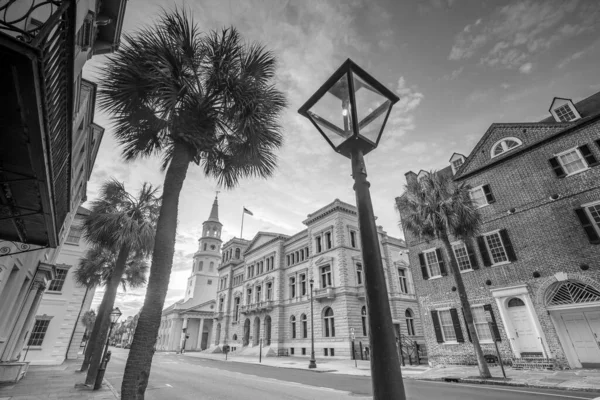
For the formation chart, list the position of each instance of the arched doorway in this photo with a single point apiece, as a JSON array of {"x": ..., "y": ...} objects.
[
  {"x": 575, "y": 310},
  {"x": 524, "y": 335},
  {"x": 256, "y": 331},
  {"x": 268, "y": 330},
  {"x": 246, "y": 339}
]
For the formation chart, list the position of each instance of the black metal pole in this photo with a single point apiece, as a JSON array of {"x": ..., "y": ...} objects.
[
  {"x": 385, "y": 366},
  {"x": 312, "y": 363},
  {"x": 260, "y": 350}
]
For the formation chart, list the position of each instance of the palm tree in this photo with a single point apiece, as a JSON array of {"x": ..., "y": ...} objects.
[
  {"x": 88, "y": 319},
  {"x": 209, "y": 99},
  {"x": 122, "y": 228},
  {"x": 436, "y": 207}
]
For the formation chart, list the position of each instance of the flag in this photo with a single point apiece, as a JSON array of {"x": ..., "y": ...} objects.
[{"x": 246, "y": 211}]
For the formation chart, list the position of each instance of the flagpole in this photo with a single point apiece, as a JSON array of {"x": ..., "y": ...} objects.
[{"x": 242, "y": 228}]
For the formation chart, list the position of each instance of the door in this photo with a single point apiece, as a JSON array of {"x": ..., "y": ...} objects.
[
  {"x": 524, "y": 334},
  {"x": 204, "y": 343},
  {"x": 582, "y": 337}
]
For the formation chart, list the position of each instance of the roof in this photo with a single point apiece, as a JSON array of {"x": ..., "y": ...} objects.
[
  {"x": 336, "y": 205},
  {"x": 214, "y": 212},
  {"x": 586, "y": 107}
]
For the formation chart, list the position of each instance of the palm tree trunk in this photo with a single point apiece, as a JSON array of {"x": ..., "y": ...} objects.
[
  {"x": 139, "y": 361},
  {"x": 92, "y": 342},
  {"x": 102, "y": 325},
  {"x": 484, "y": 371}
]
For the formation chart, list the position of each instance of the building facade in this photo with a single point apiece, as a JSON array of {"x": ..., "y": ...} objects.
[
  {"x": 534, "y": 269},
  {"x": 264, "y": 289}
]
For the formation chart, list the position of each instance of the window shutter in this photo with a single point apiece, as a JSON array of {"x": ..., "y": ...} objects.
[
  {"x": 466, "y": 326},
  {"x": 589, "y": 157},
  {"x": 587, "y": 225},
  {"x": 495, "y": 331},
  {"x": 510, "y": 251},
  {"x": 457, "y": 329},
  {"x": 423, "y": 266},
  {"x": 472, "y": 256},
  {"x": 438, "y": 253},
  {"x": 487, "y": 190},
  {"x": 484, "y": 251},
  {"x": 558, "y": 169},
  {"x": 436, "y": 327},
  {"x": 598, "y": 143}
]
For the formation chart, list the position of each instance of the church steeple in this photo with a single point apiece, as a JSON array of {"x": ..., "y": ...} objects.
[{"x": 214, "y": 212}]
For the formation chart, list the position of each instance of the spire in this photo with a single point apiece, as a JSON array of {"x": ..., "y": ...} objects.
[{"x": 214, "y": 212}]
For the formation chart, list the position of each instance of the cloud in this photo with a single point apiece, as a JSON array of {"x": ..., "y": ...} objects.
[
  {"x": 518, "y": 31},
  {"x": 526, "y": 68},
  {"x": 454, "y": 74},
  {"x": 579, "y": 54}
]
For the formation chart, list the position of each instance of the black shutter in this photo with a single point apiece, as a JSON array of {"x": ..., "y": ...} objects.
[
  {"x": 457, "y": 329},
  {"x": 436, "y": 327},
  {"x": 466, "y": 326},
  {"x": 589, "y": 157},
  {"x": 558, "y": 169},
  {"x": 495, "y": 330},
  {"x": 472, "y": 256},
  {"x": 438, "y": 253},
  {"x": 510, "y": 251},
  {"x": 487, "y": 190},
  {"x": 588, "y": 226},
  {"x": 484, "y": 251},
  {"x": 598, "y": 143},
  {"x": 423, "y": 266}
]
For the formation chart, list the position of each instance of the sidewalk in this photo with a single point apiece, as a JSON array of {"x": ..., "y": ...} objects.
[
  {"x": 54, "y": 382},
  {"x": 331, "y": 365}
]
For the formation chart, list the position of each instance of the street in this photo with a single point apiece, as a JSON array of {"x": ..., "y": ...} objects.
[{"x": 179, "y": 377}]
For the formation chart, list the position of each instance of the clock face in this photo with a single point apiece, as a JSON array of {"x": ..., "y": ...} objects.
[{"x": 212, "y": 247}]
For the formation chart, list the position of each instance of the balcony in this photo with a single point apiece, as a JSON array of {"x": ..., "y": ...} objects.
[
  {"x": 257, "y": 307},
  {"x": 325, "y": 293},
  {"x": 37, "y": 42}
]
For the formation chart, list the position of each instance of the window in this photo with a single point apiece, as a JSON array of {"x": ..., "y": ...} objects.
[
  {"x": 74, "y": 235},
  {"x": 329, "y": 322},
  {"x": 221, "y": 303},
  {"x": 293, "y": 322},
  {"x": 304, "y": 326},
  {"x": 325, "y": 351},
  {"x": 302, "y": 284},
  {"x": 201, "y": 265},
  {"x": 248, "y": 296},
  {"x": 236, "y": 309},
  {"x": 572, "y": 161},
  {"x": 318, "y": 243},
  {"x": 462, "y": 256},
  {"x": 328, "y": 240},
  {"x": 238, "y": 279},
  {"x": 482, "y": 327},
  {"x": 272, "y": 263},
  {"x": 237, "y": 253},
  {"x": 57, "y": 283},
  {"x": 410, "y": 322},
  {"x": 363, "y": 317},
  {"x": 209, "y": 282},
  {"x": 505, "y": 145},
  {"x": 258, "y": 293},
  {"x": 496, "y": 248},
  {"x": 402, "y": 280},
  {"x": 288, "y": 260},
  {"x": 205, "y": 245},
  {"x": 38, "y": 332},
  {"x": 481, "y": 196},
  {"x": 564, "y": 113},
  {"x": 457, "y": 163},
  {"x": 306, "y": 252},
  {"x": 269, "y": 290},
  {"x": 302, "y": 255},
  {"x": 447, "y": 326},
  {"x": 359, "y": 274},
  {"x": 353, "y": 239},
  {"x": 304, "y": 351},
  {"x": 326, "y": 276},
  {"x": 292, "y": 287},
  {"x": 291, "y": 350},
  {"x": 589, "y": 217},
  {"x": 431, "y": 263}
]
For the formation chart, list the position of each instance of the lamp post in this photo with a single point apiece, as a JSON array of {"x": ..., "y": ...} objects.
[
  {"x": 350, "y": 110},
  {"x": 312, "y": 363},
  {"x": 114, "y": 317}
]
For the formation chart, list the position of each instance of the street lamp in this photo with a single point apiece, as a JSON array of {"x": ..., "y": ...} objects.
[
  {"x": 350, "y": 110},
  {"x": 114, "y": 317},
  {"x": 312, "y": 363}
]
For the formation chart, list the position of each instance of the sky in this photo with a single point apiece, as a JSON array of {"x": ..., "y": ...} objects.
[{"x": 457, "y": 65}]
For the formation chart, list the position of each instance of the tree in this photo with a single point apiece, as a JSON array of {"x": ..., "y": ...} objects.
[
  {"x": 436, "y": 207},
  {"x": 88, "y": 319},
  {"x": 190, "y": 97},
  {"x": 121, "y": 228}
]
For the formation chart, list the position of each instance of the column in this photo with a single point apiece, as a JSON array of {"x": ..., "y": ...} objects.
[
  {"x": 182, "y": 334},
  {"x": 25, "y": 321},
  {"x": 200, "y": 331}
]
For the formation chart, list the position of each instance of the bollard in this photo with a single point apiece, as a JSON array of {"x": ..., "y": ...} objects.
[{"x": 101, "y": 371}]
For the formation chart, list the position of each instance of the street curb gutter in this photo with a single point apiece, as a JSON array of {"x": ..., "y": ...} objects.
[
  {"x": 112, "y": 389},
  {"x": 501, "y": 383}
]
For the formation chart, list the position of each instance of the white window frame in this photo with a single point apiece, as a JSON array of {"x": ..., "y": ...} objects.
[
  {"x": 565, "y": 106},
  {"x": 491, "y": 339},
  {"x": 589, "y": 214},
  {"x": 403, "y": 278},
  {"x": 329, "y": 273},
  {"x": 501, "y": 142},
  {"x": 463, "y": 244},
  {"x": 487, "y": 246},
  {"x": 447, "y": 309},
  {"x": 269, "y": 291},
  {"x": 581, "y": 157},
  {"x": 480, "y": 187},
  {"x": 431, "y": 276},
  {"x": 62, "y": 287}
]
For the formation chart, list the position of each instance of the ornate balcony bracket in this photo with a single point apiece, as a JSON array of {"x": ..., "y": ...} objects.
[{"x": 9, "y": 248}]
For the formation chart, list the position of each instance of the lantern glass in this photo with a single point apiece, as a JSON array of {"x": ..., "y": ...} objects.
[
  {"x": 371, "y": 110},
  {"x": 332, "y": 113},
  {"x": 115, "y": 315}
]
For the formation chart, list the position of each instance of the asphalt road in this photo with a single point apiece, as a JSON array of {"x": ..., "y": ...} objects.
[{"x": 176, "y": 377}]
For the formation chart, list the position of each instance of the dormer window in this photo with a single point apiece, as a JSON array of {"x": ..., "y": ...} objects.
[
  {"x": 564, "y": 113},
  {"x": 563, "y": 110},
  {"x": 456, "y": 161},
  {"x": 505, "y": 145}
]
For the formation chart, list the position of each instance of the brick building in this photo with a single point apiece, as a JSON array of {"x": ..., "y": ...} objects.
[
  {"x": 536, "y": 263},
  {"x": 263, "y": 289}
]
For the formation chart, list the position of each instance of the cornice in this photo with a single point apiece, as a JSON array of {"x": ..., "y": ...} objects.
[{"x": 329, "y": 209}]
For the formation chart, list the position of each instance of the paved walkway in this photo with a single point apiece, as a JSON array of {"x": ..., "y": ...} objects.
[{"x": 54, "y": 382}]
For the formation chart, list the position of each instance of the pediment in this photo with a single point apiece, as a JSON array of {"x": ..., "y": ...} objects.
[
  {"x": 324, "y": 260},
  {"x": 260, "y": 239}
]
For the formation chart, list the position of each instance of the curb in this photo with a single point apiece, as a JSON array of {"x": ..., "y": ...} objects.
[
  {"x": 112, "y": 389},
  {"x": 504, "y": 383}
]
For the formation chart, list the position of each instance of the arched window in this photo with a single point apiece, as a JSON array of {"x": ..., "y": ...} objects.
[
  {"x": 505, "y": 145},
  {"x": 571, "y": 292},
  {"x": 329, "y": 322},
  {"x": 304, "y": 325},
  {"x": 363, "y": 317},
  {"x": 410, "y": 322},
  {"x": 293, "y": 322},
  {"x": 211, "y": 266},
  {"x": 201, "y": 265},
  {"x": 515, "y": 302},
  {"x": 204, "y": 248},
  {"x": 237, "y": 253}
]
